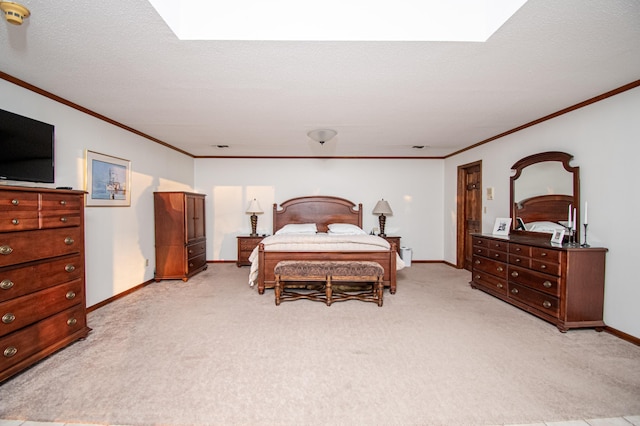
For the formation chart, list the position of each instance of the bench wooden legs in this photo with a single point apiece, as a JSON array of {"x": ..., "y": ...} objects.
[{"x": 327, "y": 291}]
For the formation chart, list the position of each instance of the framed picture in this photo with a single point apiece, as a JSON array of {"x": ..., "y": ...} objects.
[
  {"x": 557, "y": 236},
  {"x": 502, "y": 226},
  {"x": 107, "y": 180}
]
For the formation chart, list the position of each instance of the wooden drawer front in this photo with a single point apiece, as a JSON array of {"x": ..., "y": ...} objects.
[
  {"x": 501, "y": 246},
  {"x": 501, "y": 256},
  {"x": 20, "y": 247},
  {"x": 545, "y": 255},
  {"x": 19, "y": 281},
  {"x": 482, "y": 242},
  {"x": 20, "y": 345},
  {"x": 536, "y": 280},
  {"x": 196, "y": 263},
  {"x": 19, "y": 220},
  {"x": 520, "y": 250},
  {"x": 481, "y": 251},
  {"x": 196, "y": 249},
  {"x": 549, "y": 268},
  {"x": 60, "y": 219},
  {"x": 516, "y": 259},
  {"x": 248, "y": 244},
  {"x": 13, "y": 201},
  {"x": 490, "y": 266},
  {"x": 70, "y": 202},
  {"x": 535, "y": 299},
  {"x": 494, "y": 283},
  {"x": 25, "y": 310}
]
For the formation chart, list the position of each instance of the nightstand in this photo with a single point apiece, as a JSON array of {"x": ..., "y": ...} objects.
[
  {"x": 246, "y": 244},
  {"x": 393, "y": 240}
]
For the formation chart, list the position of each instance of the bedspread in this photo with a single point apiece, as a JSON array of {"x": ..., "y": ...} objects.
[{"x": 319, "y": 242}]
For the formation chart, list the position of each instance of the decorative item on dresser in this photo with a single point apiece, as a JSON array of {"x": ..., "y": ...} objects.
[
  {"x": 42, "y": 280},
  {"x": 560, "y": 284},
  {"x": 180, "y": 235},
  {"x": 246, "y": 244}
]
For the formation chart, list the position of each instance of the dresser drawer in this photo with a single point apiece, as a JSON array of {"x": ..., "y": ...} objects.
[
  {"x": 481, "y": 251},
  {"x": 501, "y": 246},
  {"x": 535, "y": 299},
  {"x": 516, "y": 259},
  {"x": 60, "y": 201},
  {"x": 196, "y": 249},
  {"x": 490, "y": 266},
  {"x": 18, "y": 281},
  {"x": 60, "y": 219},
  {"x": 22, "y": 311},
  {"x": 20, "y": 247},
  {"x": 520, "y": 250},
  {"x": 501, "y": 256},
  {"x": 536, "y": 280},
  {"x": 19, "y": 220},
  {"x": 196, "y": 263},
  {"x": 493, "y": 283},
  {"x": 27, "y": 342},
  {"x": 545, "y": 255},
  {"x": 549, "y": 268},
  {"x": 14, "y": 201},
  {"x": 248, "y": 244}
]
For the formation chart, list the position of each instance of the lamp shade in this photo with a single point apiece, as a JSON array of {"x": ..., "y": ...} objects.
[
  {"x": 254, "y": 207},
  {"x": 382, "y": 207}
]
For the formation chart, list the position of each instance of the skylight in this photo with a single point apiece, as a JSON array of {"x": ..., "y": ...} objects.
[{"x": 336, "y": 20}]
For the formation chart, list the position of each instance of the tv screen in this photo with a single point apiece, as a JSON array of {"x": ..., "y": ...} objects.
[{"x": 26, "y": 149}]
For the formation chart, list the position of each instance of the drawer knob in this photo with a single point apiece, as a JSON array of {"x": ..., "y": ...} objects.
[
  {"x": 10, "y": 351},
  {"x": 479, "y": 250},
  {"x": 63, "y": 219},
  {"x": 518, "y": 249},
  {"x": 515, "y": 274},
  {"x": 514, "y": 291},
  {"x": 70, "y": 268},
  {"x": 543, "y": 254},
  {"x": 68, "y": 241},
  {"x": 499, "y": 285},
  {"x": 63, "y": 203},
  {"x": 190, "y": 265},
  {"x": 477, "y": 262},
  {"x": 70, "y": 295},
  {"x": 71, "y": 322},
  {"x": 190, "y": 251},
  {"x": 543, "y": 266},
  {"x": 8, "y": 318},
  {"x": 6, "y": 250},
  {"x": 6, "y": 284},
  {"x": 547, "y": 284},
  {"x": 477, "y": 277},
  {"x": 518, "y": 260},
  {"x": 15, "y": 221},
  {"x": 546, "y": 304},
  {"x": 15, "y": 202},
  {"x": 499, "y": 269},
  {"x": 497, "y": 255}
]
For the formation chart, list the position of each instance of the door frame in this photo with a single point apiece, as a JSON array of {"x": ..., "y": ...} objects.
[{"x": 461, "y": 220}]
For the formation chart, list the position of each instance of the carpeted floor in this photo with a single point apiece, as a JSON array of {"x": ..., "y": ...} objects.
[{"x": 214, "y": 351}]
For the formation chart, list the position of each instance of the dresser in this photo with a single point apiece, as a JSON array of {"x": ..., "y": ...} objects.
[
  {"x": 563, "y": 285},
  {"x": 393, "y": 240},
  {"x": 246, "y": 244},
  {"x": 42, "y": 275},
  {"x": 180, "y": 235}
]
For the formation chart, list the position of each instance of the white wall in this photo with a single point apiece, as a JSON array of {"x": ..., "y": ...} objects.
[
  {"x": 413, "y": 188},
  {"x": 118, "y": 239},
  {"x": 604, "y": 140}
]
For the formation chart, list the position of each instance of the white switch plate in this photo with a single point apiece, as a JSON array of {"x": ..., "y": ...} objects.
[{"x": 490, "y": 193}]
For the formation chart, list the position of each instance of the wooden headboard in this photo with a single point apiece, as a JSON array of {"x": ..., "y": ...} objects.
[
  {"x": 550, "y": 208},
  {"x": 320, "y": 210}
]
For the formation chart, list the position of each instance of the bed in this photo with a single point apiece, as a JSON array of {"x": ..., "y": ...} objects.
[
  {"x": 543, "y": 213},
  {"x": 323, "y": 211}
]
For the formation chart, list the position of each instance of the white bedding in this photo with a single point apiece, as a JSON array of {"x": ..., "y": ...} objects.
[{"x": 319, "y": 242}]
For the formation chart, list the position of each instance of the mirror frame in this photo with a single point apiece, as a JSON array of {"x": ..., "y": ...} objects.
[{"x": 518, "y": 167}]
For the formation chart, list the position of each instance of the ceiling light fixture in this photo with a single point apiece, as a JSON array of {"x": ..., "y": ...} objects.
[
  {"x": 322, "y": 135},
  {"x": 14, "y": 13}
]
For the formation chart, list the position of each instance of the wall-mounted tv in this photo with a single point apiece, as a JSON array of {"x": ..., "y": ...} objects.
[{"x": 26, "y": 149}]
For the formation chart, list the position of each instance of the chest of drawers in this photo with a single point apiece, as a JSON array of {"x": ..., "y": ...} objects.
[
  {"x": 562, "y": 285},
  {"x": 42, "y": 279},
  {"x": 246, "y": 244}
]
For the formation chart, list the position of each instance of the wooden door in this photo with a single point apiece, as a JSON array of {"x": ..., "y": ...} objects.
[
  {"x": 469, "y": 205},
  {"x": 195, "y": 218}
]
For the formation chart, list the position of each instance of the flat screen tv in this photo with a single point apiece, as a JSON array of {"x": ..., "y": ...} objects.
[{"x": 26, "y": 149}]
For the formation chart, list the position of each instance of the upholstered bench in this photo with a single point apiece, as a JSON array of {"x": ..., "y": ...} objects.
[{"x": 363, "y": 276}]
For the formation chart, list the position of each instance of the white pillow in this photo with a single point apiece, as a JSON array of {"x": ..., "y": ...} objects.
[
  {"x": 345, "y": 229},
  {"x": 547, "y": 227},
  {"x": 298, "y": 228}
]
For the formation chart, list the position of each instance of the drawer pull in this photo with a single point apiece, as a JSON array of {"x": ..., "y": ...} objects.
[
  {"x": 190, "y": 251},
  {"x": 543, "y": 254},
  {"x": 5, "y": 250},
  {"x": 515, "y": 274},
  {"x": 15, "y": 202},
  {"x": 543, "y": 266},
  {"x": 477, "y": 262},
  {"x": 514, "y": 291},
  {"x": 499, "y": 269},
  {"x": 477, "y": 276},
  {"x": 497, "y": 255},
  {"x": 518, "y": 260},
  {"x": 499, "y": 285},
  {"x": 546, "y": 304},
  {"x": 518, "y": 249},
  {"x": 71, "y": 322},
  {"x": 70, "y": 295},
  {"x": 10, "y": 351},
  {"x": 63, "y": 219},
  {"x": 15, "y": 221},
  {"x": 6, "y": 284},
  {"x": 479, "y": 251},
  {"x": 70, "y": 268},
  {"x": 190, "y": 265},
  {"x": 547, "y": 284},
  {"x": 63, "y": 203},
  {"x": 68, "y": 241},
  {"x": 8, "y": 318}
]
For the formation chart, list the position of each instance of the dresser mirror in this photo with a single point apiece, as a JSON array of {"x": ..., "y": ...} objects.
[{"x": 543, "y": 186}]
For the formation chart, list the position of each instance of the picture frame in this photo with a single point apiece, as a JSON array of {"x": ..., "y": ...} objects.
[
  {"x": 557, "y": 236},
  {"x": 502, "y": 226},
  {"x": 107, "y": 180}
]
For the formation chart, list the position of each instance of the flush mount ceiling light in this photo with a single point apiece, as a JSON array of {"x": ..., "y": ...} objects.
[
  {"x": 353, "y": 20},
  {"x": 14, "y": 13},
  {"x": 322, "y": 135}
]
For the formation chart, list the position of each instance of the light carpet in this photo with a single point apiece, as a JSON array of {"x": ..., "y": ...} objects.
[{"x": 214, "y": 351}]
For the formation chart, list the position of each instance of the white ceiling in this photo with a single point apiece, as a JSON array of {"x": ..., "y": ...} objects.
[{"x": 119, "y": 59}]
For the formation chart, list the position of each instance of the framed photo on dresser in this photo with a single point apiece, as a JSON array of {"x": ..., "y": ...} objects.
[{"x": 502, "y": 226}]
